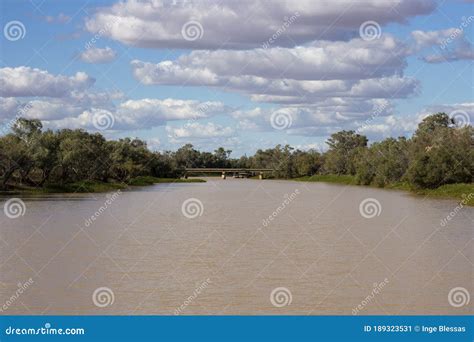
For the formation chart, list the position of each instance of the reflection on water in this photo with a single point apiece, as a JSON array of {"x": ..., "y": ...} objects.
[{"x": 249, "y": 247}]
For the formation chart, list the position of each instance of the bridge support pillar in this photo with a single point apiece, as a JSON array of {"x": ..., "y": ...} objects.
[
  {"x": 223, "y": 175},
  {"x": 260, "y": 176}
]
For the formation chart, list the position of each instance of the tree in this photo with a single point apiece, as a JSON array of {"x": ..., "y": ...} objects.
[{"x": 344, "y": 148}]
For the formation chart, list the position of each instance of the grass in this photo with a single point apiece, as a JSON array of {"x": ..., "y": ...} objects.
[
  {"x": 93, "y": 186},
  {"x": 461, "y": 191},
  {"x": 148, "y": 180},
  {"x": 340, "y": 179}
]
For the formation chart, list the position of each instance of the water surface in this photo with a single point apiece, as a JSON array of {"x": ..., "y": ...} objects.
[{"x": 318, "y": 251}]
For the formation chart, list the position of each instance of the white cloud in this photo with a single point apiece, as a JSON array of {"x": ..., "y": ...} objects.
[
  {"x": 24, "y": 81},
  {"x": 449, "y": 45},
  {"x": 352, "y": 60},
  {"x": 98, "y": 55},
  {"x": 304, "y": 74},
  {"x": 138, "y": 114},
  {"x": 196, "y": 130},
  {"x": 317, "y": 120},
  {"x": 246, "y": 23},
  {"x": 61, "y": 18}
]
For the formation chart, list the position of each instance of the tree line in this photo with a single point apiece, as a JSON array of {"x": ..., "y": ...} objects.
[{"x": 438, "y": 153}]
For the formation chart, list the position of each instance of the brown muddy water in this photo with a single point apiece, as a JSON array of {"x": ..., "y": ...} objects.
[{"x": 236, "y": 246}]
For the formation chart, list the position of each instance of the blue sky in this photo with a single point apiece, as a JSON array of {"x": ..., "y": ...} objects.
[{"x": 322, "y": 68}]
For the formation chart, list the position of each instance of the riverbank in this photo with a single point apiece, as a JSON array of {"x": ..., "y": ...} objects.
[
  {"x": 93, "y": 186},
  {"x": 461, "y": 191}
]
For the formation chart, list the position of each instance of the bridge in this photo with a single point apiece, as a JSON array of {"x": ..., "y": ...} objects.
[{"x": 236, "y": 172}]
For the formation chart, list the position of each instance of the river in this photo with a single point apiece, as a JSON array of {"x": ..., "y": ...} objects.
[{"x": 237, "y": 246}]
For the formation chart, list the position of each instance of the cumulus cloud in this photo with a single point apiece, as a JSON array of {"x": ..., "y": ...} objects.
[
  {"x": 316, "y": 120},
  {"x": 98, "y": 55},
  {"x": 67, "y": 102},
  {"x": 449, "y": 45},
  {"x": 245, "y": 24},
  {"x": 24, "y": 81},
  {"x": 140, "y": 114},
  {"x": 355, "y": 59},
  {"x": 195, "y": 130}
]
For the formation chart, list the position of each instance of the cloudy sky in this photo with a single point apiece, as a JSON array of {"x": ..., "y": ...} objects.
[{"x": 241, "y": 74}]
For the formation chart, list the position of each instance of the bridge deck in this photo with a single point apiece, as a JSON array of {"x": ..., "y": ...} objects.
[{"x": 225, "y": 170}]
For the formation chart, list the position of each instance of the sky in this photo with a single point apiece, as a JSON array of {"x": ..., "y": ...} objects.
[{"x": 244, "y": 75}]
